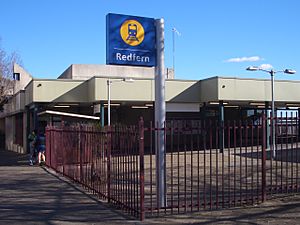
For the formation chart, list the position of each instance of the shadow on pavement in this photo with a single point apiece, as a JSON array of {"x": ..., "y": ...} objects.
[
  {"x": 9, "y": 158},
  {"x": 36, "y": 195}
]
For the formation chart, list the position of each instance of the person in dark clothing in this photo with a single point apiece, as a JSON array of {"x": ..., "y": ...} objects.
[
  {"x": 41, "y": 147},
  {"x": 32, "y": 143}
]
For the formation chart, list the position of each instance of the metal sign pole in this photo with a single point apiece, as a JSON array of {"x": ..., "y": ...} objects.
[{"x": 160, "y": 114}]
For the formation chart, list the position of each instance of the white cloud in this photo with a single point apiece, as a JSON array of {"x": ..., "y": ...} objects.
[
  {"x": 265, "y": 66},
  {"x": 245, "y": 59}
]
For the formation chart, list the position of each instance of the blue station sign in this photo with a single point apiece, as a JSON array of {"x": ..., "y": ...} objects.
[{"x": 130, "y": 40}]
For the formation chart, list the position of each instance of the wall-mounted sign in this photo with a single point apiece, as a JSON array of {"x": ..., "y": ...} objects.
[{"x": 130, "y": 40}]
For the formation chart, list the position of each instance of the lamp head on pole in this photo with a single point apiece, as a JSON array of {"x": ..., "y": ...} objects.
[
  {"x": 252, "y": 68},
  {"x": 289, "y": 71}
]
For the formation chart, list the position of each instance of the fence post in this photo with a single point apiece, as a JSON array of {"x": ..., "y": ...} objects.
[
  {"x": 80, "y": 152},
  {"x": 48, "y": 146},
  {"x": 221, "y": 127},
  {"x": 263, "y": 164},
  {"x": 142, "y": 178},
  {"x": 108, "y": 161},
  {"x": 63, "y": 147}
]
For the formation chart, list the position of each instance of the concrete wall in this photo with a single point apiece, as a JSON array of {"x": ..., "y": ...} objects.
[
  {"x": 182, "y": 91},
  {"x": 231, "y": 89},
  {"x": 25, "y": 78},
  {"x": 95, "y": 90},
  {"x": 87, "y": 71},
  {"x": 15, "y": 104},
  {"x": 57, "y": 91},
  {"x": 92, "y": 89},
  {"x": 18, "y": 101},
  {"x": 9, "y": 132},
  {"x": 144, "y": 90},
  {"x": 208, "y": 89},
  {"x": 237, "y": 89},
  {"x": 139, "y": 90},
  {"x": 29, "y": 93},
  {"x": 286, "y": 91},
  {"x": 67, "y": 74},
  {"x": 182, "y": 107}
]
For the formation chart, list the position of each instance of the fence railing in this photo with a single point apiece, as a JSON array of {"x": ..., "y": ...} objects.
[
  {"x": 201, "y": 176},
  {"x": 106, "y": 161},
  {"x": 208, "y": 165}
]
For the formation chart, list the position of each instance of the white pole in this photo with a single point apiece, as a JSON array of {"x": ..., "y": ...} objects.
[
  {"x": 108, "y": 102},
  {"x": 272, "y": 72},
  {"x": 160, "y": 114}
]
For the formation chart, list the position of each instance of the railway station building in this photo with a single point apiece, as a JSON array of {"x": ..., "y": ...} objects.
[{"x": 80, "y": 95}]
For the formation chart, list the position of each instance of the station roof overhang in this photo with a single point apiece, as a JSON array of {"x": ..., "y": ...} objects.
[
  {"x": 96, "y": 90},
  {"x": 249, "y": 92},
  {"x": 232, "y": 91}
]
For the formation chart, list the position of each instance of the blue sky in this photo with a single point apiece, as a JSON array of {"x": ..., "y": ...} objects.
[{"x": 218, "y": 38}]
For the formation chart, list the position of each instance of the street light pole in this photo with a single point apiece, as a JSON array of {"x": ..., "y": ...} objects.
[
  {"x": 273, "y": 114},
  {"x": 173, "y": 38},
  {"x": 272, "y": 73},
  {"x": 174, "y": 30},
  {"x": 108, "y": 101},
  {"x": 109, "y": 82}
]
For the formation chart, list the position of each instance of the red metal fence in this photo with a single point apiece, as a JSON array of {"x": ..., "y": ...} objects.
[
  {"x": 108, "y": 162},
  {"x": 208, "y": 165},
  {"x": 201, "y": 176}
]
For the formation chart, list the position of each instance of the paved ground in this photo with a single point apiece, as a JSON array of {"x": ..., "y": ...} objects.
[
  {"x": 276, "y": 212},
  {"x": 34, "y": 195}
]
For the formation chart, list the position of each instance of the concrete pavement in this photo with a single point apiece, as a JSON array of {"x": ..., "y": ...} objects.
[{"x": 34, "y": 195}]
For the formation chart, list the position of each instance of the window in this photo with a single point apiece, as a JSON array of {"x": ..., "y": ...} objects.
[{"x": 16, "y": 76}]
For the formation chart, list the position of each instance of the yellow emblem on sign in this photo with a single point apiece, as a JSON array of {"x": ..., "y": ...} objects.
[{"x": 132, "y": 32}]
